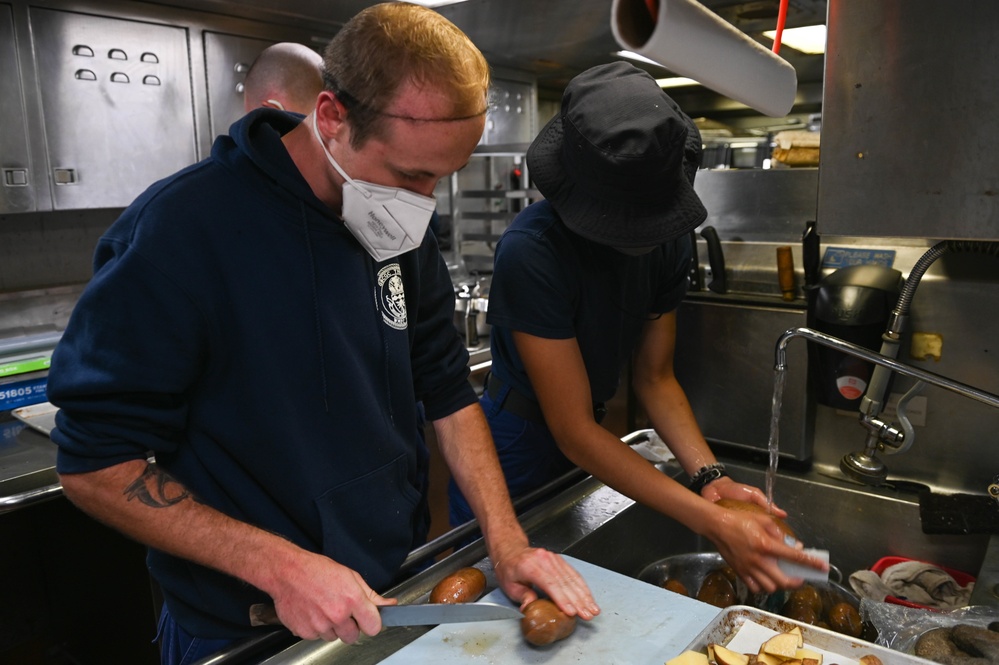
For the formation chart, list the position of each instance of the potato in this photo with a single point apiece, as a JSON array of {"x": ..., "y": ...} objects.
[
  {"x": 806, "y": 596},
  {"x": 748, "y": 507},
  {"x": 799, "y": 612},
  {"x": 725, "y": 656},
  {"x": 717, "y": 590},
  {"x": 544, "y": 623},
  {"x": 689, "y": 658},
  {"x": 844, "y": 618},
  {"x": 807, "y": 656},
  {"x": 729, "y": 572},
  {"x": 463, "y": 586},
  {"x": 783, "y": 645},
  {"x": 804, "y": 605},
  {"x": 676, "y": 586}
]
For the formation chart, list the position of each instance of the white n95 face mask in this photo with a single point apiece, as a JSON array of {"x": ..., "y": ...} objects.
[{"x": 387, "y": 221}]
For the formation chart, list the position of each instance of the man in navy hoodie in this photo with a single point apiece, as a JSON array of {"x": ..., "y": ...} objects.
[{"x": 263, "y": 325}]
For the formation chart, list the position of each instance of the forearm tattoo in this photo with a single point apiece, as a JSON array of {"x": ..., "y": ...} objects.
[{"x": 155, "y": 488}]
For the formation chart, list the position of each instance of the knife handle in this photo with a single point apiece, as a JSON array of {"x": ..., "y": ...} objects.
[
  {"x": 695, "y": 264},
  {"x": 264, "y": 614},
  {"x": 785, "y": 272},
  {"x": 716, "y": 258},
  {"x": 810, "y": 254}
]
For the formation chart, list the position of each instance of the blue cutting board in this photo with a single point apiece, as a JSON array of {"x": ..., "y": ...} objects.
[{"x": 639, "y": 623}]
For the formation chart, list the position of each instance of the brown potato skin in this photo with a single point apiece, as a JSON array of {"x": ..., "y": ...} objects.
[
  {"x": 544, "y": 623},
  {"x": 729, "y": 572},
  {"x": 800, "y": 612},
  {"x": 806, "y": 596},
  {"x": 717, "y": 590},
  {"x": 748, "y": 507},
  {"x": 462, "y": 586},
  {"x": 676, "y": 586},
  {"x": 844, "y": 618}
]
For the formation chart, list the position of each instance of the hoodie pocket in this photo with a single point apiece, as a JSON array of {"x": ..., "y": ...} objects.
[{"x": 368, "y": 521}]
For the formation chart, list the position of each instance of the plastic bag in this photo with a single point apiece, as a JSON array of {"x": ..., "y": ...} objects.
[{"x": 899, "y": 627}]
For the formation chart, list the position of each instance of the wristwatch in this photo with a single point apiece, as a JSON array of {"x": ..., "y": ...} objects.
[{"x": 707, "y": 475}]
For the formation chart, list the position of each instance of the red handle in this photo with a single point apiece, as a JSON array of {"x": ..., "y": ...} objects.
[{"x": 653, "y": 6}]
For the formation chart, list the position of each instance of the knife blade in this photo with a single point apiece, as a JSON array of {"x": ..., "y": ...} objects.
[{"x": 431, "y": 614}]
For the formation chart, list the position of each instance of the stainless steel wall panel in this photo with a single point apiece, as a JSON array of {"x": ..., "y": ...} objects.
[
  {"x": 512, "y": 116},
  {"x": 117, "y": 105},
  {"x": 910, "y": 128},
  {"x": 725, "y": 363},
  {"x": 227, "y": 59},
  {"x": 17, "y": 181},
  {"x": 757, "y": 204}
]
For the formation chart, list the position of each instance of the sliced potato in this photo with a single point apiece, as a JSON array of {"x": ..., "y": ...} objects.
[
  {"x": 689, "y": 658},
  {"x": 784, "y": 645},
  {"x": 806, "y": 655},
  {"x": 764, "y": 658},
  {"x": 725, "y": 656}
]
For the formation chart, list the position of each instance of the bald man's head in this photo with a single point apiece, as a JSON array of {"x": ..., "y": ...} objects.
[{"x": 287, "y": 73}]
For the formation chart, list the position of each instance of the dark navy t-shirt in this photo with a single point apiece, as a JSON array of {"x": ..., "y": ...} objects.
[{"x": 552, "y": 283}]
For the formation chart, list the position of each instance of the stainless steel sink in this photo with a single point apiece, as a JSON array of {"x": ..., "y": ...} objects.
[{"x": 856, "y": 524}]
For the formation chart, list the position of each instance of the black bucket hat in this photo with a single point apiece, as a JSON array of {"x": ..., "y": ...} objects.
[{"x": 618, "y": 162}]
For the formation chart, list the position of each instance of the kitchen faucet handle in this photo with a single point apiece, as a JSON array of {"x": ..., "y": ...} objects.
[{"x": 908, "y": 433}]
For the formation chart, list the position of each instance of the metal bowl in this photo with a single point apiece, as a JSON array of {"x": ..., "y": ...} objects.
[{"x": 691, "y": 569}]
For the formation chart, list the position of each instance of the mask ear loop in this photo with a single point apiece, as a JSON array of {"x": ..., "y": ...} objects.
[
  {"x": 276, "y": 104},
  {"x": 329, "y": 157}
]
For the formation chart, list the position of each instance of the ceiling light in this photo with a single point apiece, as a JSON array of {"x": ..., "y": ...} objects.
[
  {"x": 676, "y": 82},
  {"x": 631, "y": 55},
  {"x": 435, "y": 3},
  {"x": 808, "y": 39}
]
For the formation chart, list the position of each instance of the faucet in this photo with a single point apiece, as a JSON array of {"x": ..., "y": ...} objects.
[{"x": 865, "y": 466}]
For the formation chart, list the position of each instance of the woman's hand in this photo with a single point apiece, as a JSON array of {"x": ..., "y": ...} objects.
[
  {"x": 752, "y": 543},
  {"x": 726, "y": 488}
]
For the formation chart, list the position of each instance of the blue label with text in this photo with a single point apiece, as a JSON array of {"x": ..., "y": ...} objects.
[
  {"x": 841, "y": 257},
  {"x": 22, "y": 393}
]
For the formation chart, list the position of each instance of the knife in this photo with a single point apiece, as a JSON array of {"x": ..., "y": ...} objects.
[
  {"x": 716, "y": 259},
  {"x": 429, "y": 614},
  {"x": 433, "y": 614}
]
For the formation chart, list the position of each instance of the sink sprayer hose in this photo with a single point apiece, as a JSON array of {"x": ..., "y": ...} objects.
[{"x": 927, "y": 259}]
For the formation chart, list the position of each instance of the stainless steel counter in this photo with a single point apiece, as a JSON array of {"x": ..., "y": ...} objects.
[{"x": 27, "y": 467}]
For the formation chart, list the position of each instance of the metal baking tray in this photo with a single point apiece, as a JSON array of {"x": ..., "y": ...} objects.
[{"x": 730, "y": 620}]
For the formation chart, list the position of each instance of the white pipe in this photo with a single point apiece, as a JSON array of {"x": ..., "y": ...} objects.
[{"x": 690, "y": 40}]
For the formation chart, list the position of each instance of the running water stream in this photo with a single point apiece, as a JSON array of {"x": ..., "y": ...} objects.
[{"x": 780, "y": 374}]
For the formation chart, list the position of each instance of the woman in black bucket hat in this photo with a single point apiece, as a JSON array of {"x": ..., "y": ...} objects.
[{"x": 588, "y": 279}]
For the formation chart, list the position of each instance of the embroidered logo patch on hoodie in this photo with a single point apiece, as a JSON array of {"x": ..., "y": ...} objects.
[{"x": 392, "y": 296}]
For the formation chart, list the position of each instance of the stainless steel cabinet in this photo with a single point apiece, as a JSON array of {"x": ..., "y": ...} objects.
[
  {"x": 17, "y": 185},
  {"x": 227, "y": 59},
  {"x": 512, "y": 116},
  {"x": 116, "y": 102}
]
